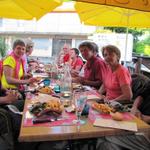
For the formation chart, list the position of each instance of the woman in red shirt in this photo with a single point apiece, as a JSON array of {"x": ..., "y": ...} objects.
[
  {"x": 94, "y": 67},
  {"x": 117, "y": 80},
  {"x": 76, "y": 61}
]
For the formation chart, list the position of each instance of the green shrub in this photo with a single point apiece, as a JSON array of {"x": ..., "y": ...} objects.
[{"x": 3, "y": 47}]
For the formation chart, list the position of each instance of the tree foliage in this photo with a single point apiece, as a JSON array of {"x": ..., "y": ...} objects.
[
  {"x": 134, "y": 31},
  {"x": 3, "y": 47},
  {"x": 143, "y": 46}
]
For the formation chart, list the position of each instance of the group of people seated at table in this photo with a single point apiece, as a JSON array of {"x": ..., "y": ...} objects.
[
  {"x": 71, "y": 57},
  {"x": 111, "y": 78}
]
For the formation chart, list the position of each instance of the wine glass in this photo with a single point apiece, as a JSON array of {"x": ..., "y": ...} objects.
[{"x": 79, "y": 101}]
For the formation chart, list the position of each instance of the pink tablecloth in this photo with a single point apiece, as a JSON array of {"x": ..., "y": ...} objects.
[{"x": 67, "y": 120}]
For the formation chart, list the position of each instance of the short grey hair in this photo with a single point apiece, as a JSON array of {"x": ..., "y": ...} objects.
[
  {"x": 112, "y": 49},
  {"x": 91, "y": 45}
]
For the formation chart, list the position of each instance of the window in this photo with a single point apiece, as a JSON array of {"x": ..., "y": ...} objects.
[
  {"x": 42, "y": 47},
  {"x": 41, "y": 43},
  {"x": 58, "y": 45},
  {"x": 78, "y": 42}
]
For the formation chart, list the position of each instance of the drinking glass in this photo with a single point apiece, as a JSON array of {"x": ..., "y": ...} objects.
[
  {"x": 46, "y": 82},
  {"x": 79, "y": 101}
]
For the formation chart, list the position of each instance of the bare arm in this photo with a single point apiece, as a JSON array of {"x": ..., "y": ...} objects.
[
  {"x": 145, "y": 118},
  {"x": 83, "y": 81},
  {"x": 136, "y": 112},
  {"x": 74, "y": 73},
  {"x": 126, "y": 93},
  {"x": 136, "y": 104},
  {"x": 8, "y": 71},
  {"x": 78, "y": 68},
  {"x": 102, "y": 89},
  {"x": 91, "y": 83}
]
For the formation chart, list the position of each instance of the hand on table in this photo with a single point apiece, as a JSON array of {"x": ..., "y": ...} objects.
[
  {"x": 80, "y": 80},
  {"x": 74, "y": 73},
  {"x": 145, "y": 118},
  {"x": 11, "y": 96},
  {"x": 32, "y": 80},
  {"x": 138, "y": 114},
  {"x": 102, "y": 97},
  {"x": 28, "y": 75},
  {"x": 134, "y": 110}
]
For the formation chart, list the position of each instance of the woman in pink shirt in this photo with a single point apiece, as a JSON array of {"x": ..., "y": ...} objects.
[{"x": 117, "y": 80}]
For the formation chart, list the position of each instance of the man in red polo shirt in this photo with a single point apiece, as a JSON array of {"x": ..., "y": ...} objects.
[{"x": 66, "y": 50}]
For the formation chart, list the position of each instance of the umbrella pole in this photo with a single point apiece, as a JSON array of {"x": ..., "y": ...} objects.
[
  {"x": 126, "y": 43},
  {"x": 126, "y": 46}
]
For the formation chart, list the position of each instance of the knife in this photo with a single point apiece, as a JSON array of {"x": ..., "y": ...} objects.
[
  {"x": 44, "y": 120},
  {"x": 37, "y": 120}
]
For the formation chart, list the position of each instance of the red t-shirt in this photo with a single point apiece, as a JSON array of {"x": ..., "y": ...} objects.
[
  {"x": 78, "y": 62},
  {"x": 113, "y": 81},
  {"x": 94, "y": 69},
  {"x": 66, "y": 58}
]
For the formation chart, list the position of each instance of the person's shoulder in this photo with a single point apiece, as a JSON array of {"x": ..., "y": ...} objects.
[
  {"x": 99, "y": 59},
  {"x": 123, "y": 73},
  {"x": 122, "y": 69},
  {"x": 79, "y": 59},
  {"x": 9, "y": 60},
  {"x": 100, "y": 62}
]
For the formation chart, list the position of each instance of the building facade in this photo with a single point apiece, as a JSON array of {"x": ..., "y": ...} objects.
[{"x": 49, "y": 34}]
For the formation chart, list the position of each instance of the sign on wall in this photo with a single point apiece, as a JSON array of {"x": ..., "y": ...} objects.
[{"x": 117, "y": 39}]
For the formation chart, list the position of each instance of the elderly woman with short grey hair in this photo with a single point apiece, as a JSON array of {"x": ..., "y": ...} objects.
[
  {"x": 94, "y": 67},
  {"x": 117, "y": 80}
]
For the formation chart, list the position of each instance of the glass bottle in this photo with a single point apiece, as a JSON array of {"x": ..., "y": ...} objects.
[
  {"x": 54, "y": 70},
  {"x": 66, "y": 87}
]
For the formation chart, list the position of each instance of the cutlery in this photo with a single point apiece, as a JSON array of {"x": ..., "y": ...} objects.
[{"x": 44, "y": 120}]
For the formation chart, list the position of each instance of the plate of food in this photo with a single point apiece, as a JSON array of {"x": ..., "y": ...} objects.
[
  {"x": 111, "y": 107},
  {"x": 119, "y": 107},
  {"x": 52, "y": 107},
  {"x": 102, "y": 108},
  {"x": 46, "y": 90}
]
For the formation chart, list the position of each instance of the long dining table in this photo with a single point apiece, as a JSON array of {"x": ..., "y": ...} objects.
[{"x": 71, "y": 132}]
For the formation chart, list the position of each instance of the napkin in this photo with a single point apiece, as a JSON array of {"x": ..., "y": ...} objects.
[
  {"x": 92, "y": 97},
  {"x": 125, "y": 125}
]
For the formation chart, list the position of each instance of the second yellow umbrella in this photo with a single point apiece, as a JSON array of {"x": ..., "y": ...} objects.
[
  {"x": 27, "y": 9},
  {"x": 103, "y": 15}
]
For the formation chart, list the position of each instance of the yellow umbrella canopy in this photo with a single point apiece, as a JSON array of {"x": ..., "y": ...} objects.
[
  {"x": 143, "y": 5},
  {"x": 26, "y": 9},
  {"x": 103, "y": 15}
]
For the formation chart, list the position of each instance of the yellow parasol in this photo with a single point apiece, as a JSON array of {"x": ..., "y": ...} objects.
[
  {"x": 128, "y": 13},
  {"x": 143, "y": 5},
  {"x": 27, "y": 9},
  {"x": 103, "y": 15}
]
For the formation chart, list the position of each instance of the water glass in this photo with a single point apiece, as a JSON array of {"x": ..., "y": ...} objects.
[
  {"x": 46, "y": 82},
  {"x": 79, "y": 101},
  {"x": 57, "y": 88}
]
